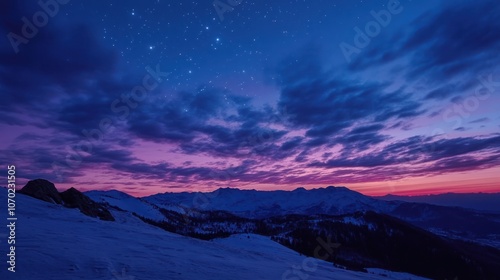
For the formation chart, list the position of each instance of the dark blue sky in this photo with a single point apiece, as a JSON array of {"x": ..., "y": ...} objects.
[{"x": 148, "y": 96}]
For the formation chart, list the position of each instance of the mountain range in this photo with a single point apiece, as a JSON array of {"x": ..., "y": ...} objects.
[
  {"x": 487, "y": 202},
  {"x": 289, "y": 215},
  {"x": 320, "y": 233},
  {"x": 457, "y": 222}
]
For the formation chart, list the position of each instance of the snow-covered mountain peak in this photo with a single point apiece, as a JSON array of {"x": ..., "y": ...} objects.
[
  {"x": 253, "y": 203},
  {"x": 128, "y": 203},
  {"x": 109, "y": 193}
]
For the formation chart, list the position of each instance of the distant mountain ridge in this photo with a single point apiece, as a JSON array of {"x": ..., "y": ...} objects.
[
  {"x": 489, "y": 202},
  {"x": 483, "y": 228},
  {"x": 260, "y": 204}
]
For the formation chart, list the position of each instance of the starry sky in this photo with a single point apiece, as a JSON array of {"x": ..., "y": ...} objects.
[{"x": 156, "y": 96}]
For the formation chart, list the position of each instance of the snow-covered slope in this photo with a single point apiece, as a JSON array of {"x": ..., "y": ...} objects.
[
  {"x": 127, "y": 203},
  {"x": 251, "y": 203},
  {"x": 57, "y": 243}
]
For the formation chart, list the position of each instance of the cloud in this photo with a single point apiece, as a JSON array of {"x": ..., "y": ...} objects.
[
  {"x": 367, "y": 129},
  {"x": 441, "y": 93},
  {"x": 456, "y": 154},
  {"x": 168, "y": 173},
  {"x": 480, "y": 120},
  {"x": 446, "y": 148},
  {"x": 63, "y": 79},
  {"x": 209, "y": 121},
  {"x": 327, "y": 107},
  {"x": 55, "y": 64},
  {"x": 449, "y": 44}
]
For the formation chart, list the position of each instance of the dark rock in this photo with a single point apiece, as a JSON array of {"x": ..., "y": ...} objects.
[
  {"x": 75, "y": 199},
  {"x": 72, "y": 198},
  {"x": 43, "y": 190}
]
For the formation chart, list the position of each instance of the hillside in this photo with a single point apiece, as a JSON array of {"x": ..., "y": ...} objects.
[{"x": 58, "y": 243}]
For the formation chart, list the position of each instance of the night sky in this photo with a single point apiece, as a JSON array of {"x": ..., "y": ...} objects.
[{"x": 155, "y": 96}]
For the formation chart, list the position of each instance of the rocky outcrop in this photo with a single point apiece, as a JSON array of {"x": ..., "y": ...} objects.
[
  {"x": 75, "y": 199},
  {"x": 43, "y": 190},
  {"x": 72, "y": 198}
]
